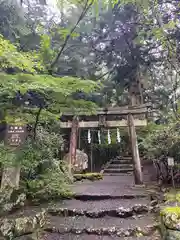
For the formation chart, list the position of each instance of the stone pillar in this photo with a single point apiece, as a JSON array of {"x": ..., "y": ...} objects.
[{"x": 10, "y": 177}]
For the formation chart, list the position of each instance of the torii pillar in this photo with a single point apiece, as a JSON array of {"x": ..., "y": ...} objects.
[
  {"x": 138, "y": 176},
  {"x": 136, "y": 99},
  {"x": 73, "y": 143}
]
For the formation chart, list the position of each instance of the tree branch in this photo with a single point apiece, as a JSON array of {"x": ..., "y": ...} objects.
[
  {"x": 36, "y": 123},
  {"x": 83, "y": 13}
]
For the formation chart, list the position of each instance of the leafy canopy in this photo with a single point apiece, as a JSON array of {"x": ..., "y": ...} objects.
[{"x": 10, "y": 57}]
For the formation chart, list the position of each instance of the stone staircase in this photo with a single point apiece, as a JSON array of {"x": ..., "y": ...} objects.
[
  {"x": 118, "y": 166},
  {"x": 108, "y": 209}
]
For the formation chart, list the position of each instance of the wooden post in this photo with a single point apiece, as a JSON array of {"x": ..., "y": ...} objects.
[
  {"x": 91, "y": 152},
  {"x": 79, "y": 139},
  {"x": 73, "y": 143},
  {"x": 135, "y": 151}
]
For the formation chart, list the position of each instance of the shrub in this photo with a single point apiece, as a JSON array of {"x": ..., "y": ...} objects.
[
  {"x": 52, "y": 184},
  {"x": 159, "y": 142},
  {"x": 163, "y": 140}
]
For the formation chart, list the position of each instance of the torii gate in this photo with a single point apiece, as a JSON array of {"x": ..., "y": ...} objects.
[{"x": 127, "y": 116}]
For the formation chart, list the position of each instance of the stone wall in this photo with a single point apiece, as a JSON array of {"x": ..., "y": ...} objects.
[
  {"x": 170, "y": 222},
  {"x": 14, "y": 228}
]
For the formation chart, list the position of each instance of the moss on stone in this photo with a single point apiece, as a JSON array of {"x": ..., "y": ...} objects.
[
  {"x": 88, "y": 176},
  {"x": 170, "y": 210},
  {"x": 172, "y": 196},
  {"x": 170, "y": 217},
  {"x": 42, "y": 196}
]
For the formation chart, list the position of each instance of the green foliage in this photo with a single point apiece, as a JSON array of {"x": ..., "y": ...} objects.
[
  {"x": 10, "y": 57},
  {"x": 162, "y": 140},
  {"x": 49, "y": 186},
  {"x": 34, "y": 152},
  {"x": 46, "y": 53},
  {"x": 56, "y": 92},
  {"x": 64, "y": 85},
  {"x": 60, "y": 85}
]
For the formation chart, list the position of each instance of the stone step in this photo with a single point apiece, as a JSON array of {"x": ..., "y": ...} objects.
[
  {"x": 98, "y": 197},
  {"x": 56, "y": 236},
  {"x": 102, "y": 205},
  {"x": 114, "y": 170},
  {"x": 120, "y": 165},
  {"x": 105, "y": 226},
  {"x": 99, "y": 209},
  {"x": 115, "y": 161},
  {"x": 122, "y": 157},
  {"x": 118, "y": 174},
  {"x": 86, "y": 208}
]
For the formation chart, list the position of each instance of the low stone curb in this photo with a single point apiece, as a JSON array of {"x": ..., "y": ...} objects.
[
  {"x": 121, "y": 212},
  {"x": 112, "y": 231}
]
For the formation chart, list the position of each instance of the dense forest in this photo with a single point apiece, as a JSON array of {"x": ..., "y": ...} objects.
[{"x": 85, "y": 54}]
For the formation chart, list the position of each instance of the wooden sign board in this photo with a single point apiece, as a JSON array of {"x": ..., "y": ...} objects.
[
  {"x": 170, "y": 161},
  {"x": 15, "y": 135}
]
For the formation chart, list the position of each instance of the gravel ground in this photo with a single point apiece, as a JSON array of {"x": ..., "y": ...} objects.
[{"x": 90, "y": 237}]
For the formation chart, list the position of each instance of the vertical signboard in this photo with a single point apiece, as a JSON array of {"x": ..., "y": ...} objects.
[
  {"x": 170, "y": 161},
  {"x": 15, "y": 135}
]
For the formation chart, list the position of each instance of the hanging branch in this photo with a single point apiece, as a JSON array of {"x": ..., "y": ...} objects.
[
  {"x": 36, "y": 123},
  {"x": 83, "y": 13}
]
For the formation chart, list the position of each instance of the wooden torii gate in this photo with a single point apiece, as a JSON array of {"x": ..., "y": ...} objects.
[{"x": 121, "y": 117}]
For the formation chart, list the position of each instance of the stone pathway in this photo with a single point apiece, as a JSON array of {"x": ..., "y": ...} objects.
[{"x": 107, "y": 209}]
